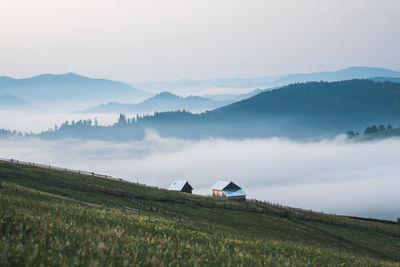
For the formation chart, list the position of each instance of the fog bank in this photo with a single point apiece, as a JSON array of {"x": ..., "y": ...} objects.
[{"x": 334, "y": 176}]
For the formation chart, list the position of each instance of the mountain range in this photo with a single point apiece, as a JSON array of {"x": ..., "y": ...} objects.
[
  {"x": 186, "y": 86},
  {"x": 76, "y": 91},
  {"x": 70, "y": 88},
  {"x": 163, "y": 101},
  {"x": 311, "y": 110}
]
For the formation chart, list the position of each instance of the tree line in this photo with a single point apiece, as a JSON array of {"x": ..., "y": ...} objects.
[{"x": 371, "y": 129}]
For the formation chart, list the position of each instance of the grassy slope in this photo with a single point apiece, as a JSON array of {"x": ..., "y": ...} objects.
[{"x": 43, "y": 222}]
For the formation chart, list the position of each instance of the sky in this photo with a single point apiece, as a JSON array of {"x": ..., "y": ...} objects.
[
  {"x": 333, "y": 176},
  {"x": 136, "y": 40}
]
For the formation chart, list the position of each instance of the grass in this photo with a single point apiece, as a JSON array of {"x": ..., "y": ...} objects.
[{"x": 43, "y": 223}]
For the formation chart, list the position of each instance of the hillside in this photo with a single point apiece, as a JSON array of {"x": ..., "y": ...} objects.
[
  {"x": 66, "y": 218},
  {"x": 164, "y": 101},
  {"x": 353, "y": 96},
  {"x": 317, "y": 108},
  {"x": 68, "y": 87},
  {"x": 299, "y": 111}
]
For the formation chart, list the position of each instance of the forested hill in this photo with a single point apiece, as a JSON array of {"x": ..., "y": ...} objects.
[
  {"x": 362, "y": 99},
  {"x": 297, "y": 111}
]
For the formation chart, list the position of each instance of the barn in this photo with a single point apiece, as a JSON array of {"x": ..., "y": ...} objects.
[
  {"x": 228, "y": 190},
  {"x": 181, "y": 186}
]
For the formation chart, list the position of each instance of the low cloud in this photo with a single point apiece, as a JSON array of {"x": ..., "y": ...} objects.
[{"x": 334, "y": 176}]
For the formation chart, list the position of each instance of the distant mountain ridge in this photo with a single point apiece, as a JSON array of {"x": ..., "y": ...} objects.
[
  {"x": 12, "y": 102},
  {"x": 311, "y": 110},
  {"x": 67, "y": 87},
  {"x": 195, "y": 86},
  {"x": 163, "y": 101},
  {"x": 344, "y": 74}
]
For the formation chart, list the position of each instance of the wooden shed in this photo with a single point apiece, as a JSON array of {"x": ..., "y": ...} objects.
[
  {"x": 182, "y": 186},
  {"x": 228, "y": 190}
]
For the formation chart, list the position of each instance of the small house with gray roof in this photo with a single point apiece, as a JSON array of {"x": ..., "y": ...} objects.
[
  {"x": 228, "y": 190},
  {"x": 181, "y": 186}
]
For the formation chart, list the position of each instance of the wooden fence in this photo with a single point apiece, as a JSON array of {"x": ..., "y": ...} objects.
[{"x": 73, "y": 170}]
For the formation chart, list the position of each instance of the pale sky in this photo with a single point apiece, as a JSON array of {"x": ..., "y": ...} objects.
[{"x": 131, "y": 40}]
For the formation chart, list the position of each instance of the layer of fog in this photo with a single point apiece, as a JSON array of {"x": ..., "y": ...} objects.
[
  {"x": 212, "y": 91},
  {"x": 333, "y": 176}
]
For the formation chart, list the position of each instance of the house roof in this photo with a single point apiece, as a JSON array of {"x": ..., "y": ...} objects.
[
  {"x": 234, "y": 193},
  {"x": 220, "y": 185},
  {"x": 231, "y": 191},
  {"x": 178, "y": 185}
]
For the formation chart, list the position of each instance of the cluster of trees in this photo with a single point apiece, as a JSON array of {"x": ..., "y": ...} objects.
[
  {"x": 8, "y": 133},
  {"x": 370, "y": 130},
  {"x": 374, "y": 129},
  {"x": 352, "y": 134},
  {"x": 123, "y": 120}
]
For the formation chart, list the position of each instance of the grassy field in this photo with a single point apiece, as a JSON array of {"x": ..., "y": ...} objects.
[{"x": 59, "y": 218}]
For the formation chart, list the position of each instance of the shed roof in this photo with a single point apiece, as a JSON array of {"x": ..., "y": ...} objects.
[{"x": 178, "y": 185}]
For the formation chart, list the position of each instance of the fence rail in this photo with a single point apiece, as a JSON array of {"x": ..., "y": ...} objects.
[{"x": 74, "y": 171}]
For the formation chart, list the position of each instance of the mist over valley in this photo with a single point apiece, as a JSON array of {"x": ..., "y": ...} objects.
[{"x": 251, "y": 140}]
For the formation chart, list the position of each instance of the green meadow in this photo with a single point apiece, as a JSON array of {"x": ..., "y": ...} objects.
[{"x": 59, "y": 218}]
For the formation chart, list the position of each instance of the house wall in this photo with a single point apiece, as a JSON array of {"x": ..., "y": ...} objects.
[
  {"x": 218, "y": 193},
  {"x": 187, "y": 189}
]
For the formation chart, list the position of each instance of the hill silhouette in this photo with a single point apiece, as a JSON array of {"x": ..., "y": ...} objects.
[
  {"x": 70, "y": 87},
  {"x": 163, "y": 101},
  {"x": 297, "y": 111},
  {"x": 195, "y": 86}
]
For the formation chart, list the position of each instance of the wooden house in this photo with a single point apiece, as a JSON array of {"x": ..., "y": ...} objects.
[
  {"x": 181, "y": 186},
  {"x": 228, "y": 190}
]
